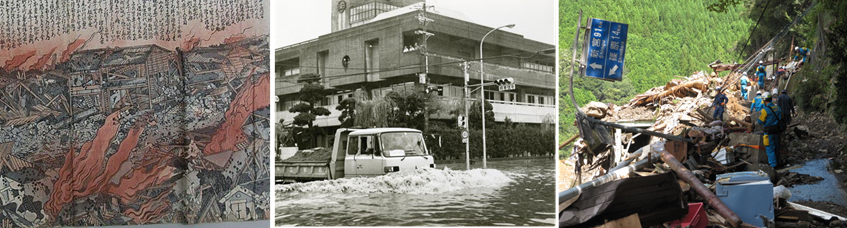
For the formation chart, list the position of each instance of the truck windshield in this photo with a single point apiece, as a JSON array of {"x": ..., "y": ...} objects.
[{"x": 401, "y": 144}]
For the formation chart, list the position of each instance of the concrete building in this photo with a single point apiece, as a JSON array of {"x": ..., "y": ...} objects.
[{"x": 376, "y": 47}]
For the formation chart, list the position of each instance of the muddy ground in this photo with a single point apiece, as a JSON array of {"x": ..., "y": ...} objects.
[{"x": 818, "y": 136}]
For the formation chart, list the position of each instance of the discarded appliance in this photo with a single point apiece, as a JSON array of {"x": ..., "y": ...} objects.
[{"x": 748, "y": 194}]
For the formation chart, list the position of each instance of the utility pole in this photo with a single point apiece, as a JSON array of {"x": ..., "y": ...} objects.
[
  {"x": 466, "y": 140},
  {"x": 424, "y": 21}
]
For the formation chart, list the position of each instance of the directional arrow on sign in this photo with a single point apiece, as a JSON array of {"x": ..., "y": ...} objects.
[
  {"x": 595, "y": 66},
  {"x": 614, "y": 70}
]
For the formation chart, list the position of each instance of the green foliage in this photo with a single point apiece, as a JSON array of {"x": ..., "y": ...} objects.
[
  {"x": 721, "y": 6},
  {"x": 396, "y": 109},
  {"x": 837, "y": 44},
  {"x": 375, "y": 113},
  {"x": 475, "y": 119},
  {"x": 777, "y": 15},
  {"x": 811, "y": 95},
  {"x": 824, "y": 90},
  {"x": 411, "y": 108},
  {"x": 665, "y": 38},
  {"x": 502, "y": 142},
  {"x": 348, "y": 112}
]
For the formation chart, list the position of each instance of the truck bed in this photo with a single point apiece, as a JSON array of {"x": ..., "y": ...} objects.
[
  {"x": 317, "y": 154},
  {"x": 305, "y": 165}
]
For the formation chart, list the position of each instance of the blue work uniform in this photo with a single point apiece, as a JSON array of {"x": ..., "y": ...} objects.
[
  {"x": 805, "y": 53},
  {"x": 760, "y": 72},
  {"x": 744, "y": 87},
  {"x": 720, "y": 102},
  {"x": 771, "y": 141},
  {"x": 801, "y": 54},
  {"x": 757, "y": 105}
]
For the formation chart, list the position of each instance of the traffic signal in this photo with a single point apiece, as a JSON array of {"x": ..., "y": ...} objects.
[
  {"x": 505, "y": 83},
  {"x": 462, "y": 121},
  {"x": 430, "y": 89}
]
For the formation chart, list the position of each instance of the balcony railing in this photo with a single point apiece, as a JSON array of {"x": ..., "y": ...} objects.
[{"x": 524, "y": 77}]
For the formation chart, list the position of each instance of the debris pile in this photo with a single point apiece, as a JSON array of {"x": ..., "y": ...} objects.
[{"x": 715, "y": 164}]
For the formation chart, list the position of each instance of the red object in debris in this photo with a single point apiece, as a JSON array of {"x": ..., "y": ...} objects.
[{"x": 695, "y": 218}]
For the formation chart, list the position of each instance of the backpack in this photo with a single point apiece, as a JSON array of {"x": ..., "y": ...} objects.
[{"x": 779, "y": 127}]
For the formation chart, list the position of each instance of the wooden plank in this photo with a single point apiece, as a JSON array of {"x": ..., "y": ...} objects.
[
  {"x": 785, "y": 217},
  {"x": 789, "y": 168},
  {"x": 628, "y": 221},
  {"x": 822, "y": 214}
]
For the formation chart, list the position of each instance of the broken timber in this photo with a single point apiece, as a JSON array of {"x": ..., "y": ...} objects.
[
  {"x": 638, "y": 130},
  {"x": 701, "y": 189}
]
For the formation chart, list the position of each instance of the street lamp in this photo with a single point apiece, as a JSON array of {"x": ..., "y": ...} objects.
[{"x": 482, "y": 90}]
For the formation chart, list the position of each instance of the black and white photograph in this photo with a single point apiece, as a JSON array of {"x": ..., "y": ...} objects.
[{"x": 414, "y": 112}]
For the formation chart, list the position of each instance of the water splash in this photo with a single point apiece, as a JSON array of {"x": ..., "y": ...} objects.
[{"x": 417, "y": 182}]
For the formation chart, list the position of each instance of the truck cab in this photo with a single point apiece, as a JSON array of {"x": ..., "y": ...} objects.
[{"x": 378, "y": 151}]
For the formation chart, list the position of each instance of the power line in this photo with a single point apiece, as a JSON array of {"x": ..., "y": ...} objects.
[
  {"x": 417, "y": 66},
  {"x": 769, "y": 45},
  {"x": 754, "y": 29}
]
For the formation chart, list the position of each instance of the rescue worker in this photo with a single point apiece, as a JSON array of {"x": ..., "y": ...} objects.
[
  {"x": 761, "y": 73},
  {"x": 781, "y": 72},
  {"x": 757, "y": 103},
  {"x": 801, "y": 53},
  {"x": 787, "y": 105},
  {"x": 770, "y": 117},
  {"x": 744, "y": 83},
  {"x": 719, "y": 104}
]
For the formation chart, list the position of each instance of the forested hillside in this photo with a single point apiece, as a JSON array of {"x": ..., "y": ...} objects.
[{"x": 666, "y": 38}]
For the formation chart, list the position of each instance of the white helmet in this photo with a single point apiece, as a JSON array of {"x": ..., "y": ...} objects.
[
  {"x": 718, "y": 88},
  {"x": 758, "y": 92},
  {"x": 745, "y": 73},
  {"x": 761, "y": 62},
  {"x": 766, "y": 95},
  {"x": 797, "y": 48}
]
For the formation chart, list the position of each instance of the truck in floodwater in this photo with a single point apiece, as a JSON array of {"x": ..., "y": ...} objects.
[{"x": 358, "y": 153}]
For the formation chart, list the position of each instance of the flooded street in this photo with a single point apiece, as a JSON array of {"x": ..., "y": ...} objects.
[{"x": 508, "y": 193}]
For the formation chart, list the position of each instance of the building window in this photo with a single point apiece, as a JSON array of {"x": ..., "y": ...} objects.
[
  {"x": 372, "y": 59},
  {"x": 322, "y": 58},
  {"x": 489, "y": 95},
  {"x": 536, "y": 66},
  {"x": 540, "y": 100},
  {"x": 290, "y": 70},
  {"x": 410, "y": 43},
  {"x": 362, "y": 13},
  {"x": 530, "y": 99}
]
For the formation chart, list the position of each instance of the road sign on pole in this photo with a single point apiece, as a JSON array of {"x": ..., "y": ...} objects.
[{"x": 606, "y": 49}]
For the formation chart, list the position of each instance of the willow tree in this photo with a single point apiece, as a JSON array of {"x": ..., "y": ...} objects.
[
  {"x": 375, "y": 113},
  {"x": 396, "y": 109}
]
